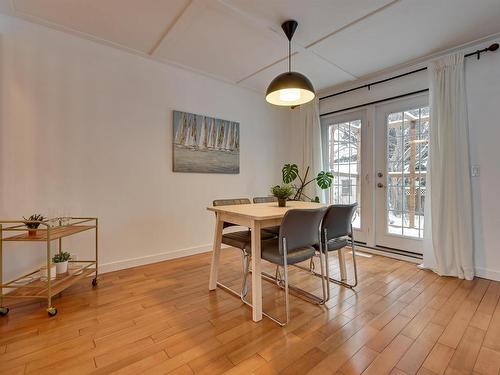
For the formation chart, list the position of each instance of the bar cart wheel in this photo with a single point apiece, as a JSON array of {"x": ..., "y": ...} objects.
[
  {"x": 94, "y": 282},
  {"x": 52, "y": 311},
  {"x": 4, "y": 311}
]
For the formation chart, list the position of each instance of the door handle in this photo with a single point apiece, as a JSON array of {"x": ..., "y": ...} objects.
[
  {"x": 380, "y": 185},
  {"x": 380, "y": 174}
]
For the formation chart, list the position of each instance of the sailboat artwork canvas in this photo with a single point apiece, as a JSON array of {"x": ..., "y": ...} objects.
[{"x": 205, "y": 144}]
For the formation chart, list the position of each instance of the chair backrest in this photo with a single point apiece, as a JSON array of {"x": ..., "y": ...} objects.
[
  {"x": 265, "y": 199},
  {"x": 338, "y": 220},
  {"x": 300, "y": 228},
  {"x": 230, "y": 202}
]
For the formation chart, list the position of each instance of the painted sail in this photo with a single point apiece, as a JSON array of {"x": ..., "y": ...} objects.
[
  {"x": 216, "y": 134},
  {"x": 211, "y": 140},
  {"x": 207, "y": 132},
  {"x": 231, "y": 139},
  {"x": 220, "y": 139},
  {"x": 187, "y": 141},
  {"x": 229, "y": 132},
  {"x": 235, "y": 134},
  {"x": 193, "y": 134},
  {"x": 226, "y": 136},
  {"x": 179, "y": 129},
  {"x": 182, "y": 130},
  {"x": 203, "y": 142},
  {"x": 237, "y": 141}
]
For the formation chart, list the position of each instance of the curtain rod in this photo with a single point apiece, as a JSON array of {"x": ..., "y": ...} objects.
[
  {"x": 477, "y": 53},
  {"x": 375, "y": 102}
]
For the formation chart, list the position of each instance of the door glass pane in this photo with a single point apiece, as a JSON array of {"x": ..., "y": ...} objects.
[
  {"x": 406, "y": 161},
  {"x": 344, "y": 161}
]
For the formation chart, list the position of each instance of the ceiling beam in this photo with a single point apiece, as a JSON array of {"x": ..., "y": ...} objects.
[
  {"x": 298, "y": 48},
  {"x": 356, "y": 21}
]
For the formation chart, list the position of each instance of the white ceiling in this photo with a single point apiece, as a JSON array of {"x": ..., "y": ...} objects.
[{"x": 241, "y": 41}]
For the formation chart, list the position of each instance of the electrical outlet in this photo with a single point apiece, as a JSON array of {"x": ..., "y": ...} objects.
[{"x": 475, "y": 171}]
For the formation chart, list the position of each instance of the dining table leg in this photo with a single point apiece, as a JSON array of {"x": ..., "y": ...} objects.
[
  {"x": 256, "y": 273},
  {"x": 214, "y": 267}
]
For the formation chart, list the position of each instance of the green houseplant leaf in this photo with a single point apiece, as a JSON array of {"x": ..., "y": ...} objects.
[
  {"x": 282, "y": 192},
  {"x": 290, "y": 172},
  {"x": 324, "y": 179},
  {"x": 61, "y": 257}
]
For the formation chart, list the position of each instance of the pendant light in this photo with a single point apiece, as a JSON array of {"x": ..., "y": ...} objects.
[{"x": 290, "y": 88}]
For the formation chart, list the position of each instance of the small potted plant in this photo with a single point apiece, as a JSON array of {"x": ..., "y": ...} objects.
[
  {"x": 61, "y": 262},
  {"x": 282, "y": 192},
  {"x": 32, "y": 223}
]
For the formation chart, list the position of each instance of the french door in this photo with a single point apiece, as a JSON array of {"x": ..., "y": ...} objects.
[
  {"x": 343, "y": 139},
  {"x": 402, "y": 143},
  {"x": 378, "y": 157}
]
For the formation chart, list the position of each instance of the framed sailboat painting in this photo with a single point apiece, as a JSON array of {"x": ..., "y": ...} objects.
[{"x": 203, "y": 144}]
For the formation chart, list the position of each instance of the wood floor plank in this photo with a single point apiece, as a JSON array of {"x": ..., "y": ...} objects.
[
  {"x": 279, "y": 355},
  {"x": 486, "y": 308},
  {"x": 305, "y": 363},
  {"x": 385, "y": 361},
  {"x": 359, "y": 361},
  {"x": 247, "y": 366},
  {"x": 142, "y": 365},
  {"x": 460, "y": 321},
  {"x": 388, "y": 333},
  {"x": 415, "y": 356},
  {"x": 492, "y": 338},
  {"x": 438, "y": 359},
  {"x": 488, "y": 362},
  {"x": 467, "y": 351},
  {"x": 336, "y": 359}
]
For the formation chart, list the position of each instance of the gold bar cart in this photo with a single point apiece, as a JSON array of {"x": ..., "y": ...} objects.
[{"x": 32, "y": 286}]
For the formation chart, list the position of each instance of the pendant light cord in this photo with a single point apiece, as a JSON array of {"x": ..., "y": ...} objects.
[{"x": 289, "y": 55}]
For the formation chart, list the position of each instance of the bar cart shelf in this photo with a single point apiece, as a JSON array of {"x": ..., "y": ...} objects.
[{"x": 32, "y": 285}]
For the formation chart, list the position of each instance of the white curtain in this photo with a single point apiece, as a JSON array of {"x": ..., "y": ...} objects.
[
  {"x": 312, "y": 156},
  {"x": 448, "y": 238}
]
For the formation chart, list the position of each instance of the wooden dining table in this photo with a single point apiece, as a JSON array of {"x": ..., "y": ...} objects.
[{"x": 254, "y": 216}]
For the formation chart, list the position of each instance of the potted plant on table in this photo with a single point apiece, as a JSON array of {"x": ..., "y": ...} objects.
[
  {"x": 282, "y": 192},
  {"x": 32, "y": 223},
  {"x": 61, "y": 262}
]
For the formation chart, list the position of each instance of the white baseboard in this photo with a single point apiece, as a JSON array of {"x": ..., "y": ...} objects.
[
  {"x": 154, "y": 258},
  {"x": 387, "y": 254},
  {"x": 486, "y": 273}
]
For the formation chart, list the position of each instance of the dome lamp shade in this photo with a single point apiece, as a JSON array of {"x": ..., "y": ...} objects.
[{"x": 290, "y": 88}]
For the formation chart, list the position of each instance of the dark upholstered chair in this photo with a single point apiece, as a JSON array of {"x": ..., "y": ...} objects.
[
  {"x": 337, "y": 233},
  {"x": 273, "y": 230},
  {"x": 239, "y": 239},
  {"x": 299, "y": 232}
]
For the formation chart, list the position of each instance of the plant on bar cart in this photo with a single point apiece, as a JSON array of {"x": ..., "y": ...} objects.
[
  {"x": 61, "y": 261},
  {"x": 32, "y": 223}
]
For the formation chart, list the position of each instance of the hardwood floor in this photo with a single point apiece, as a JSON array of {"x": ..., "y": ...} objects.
[{"x": 161, "y": 318}]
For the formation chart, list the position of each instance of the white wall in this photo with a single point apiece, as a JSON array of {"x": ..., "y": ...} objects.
[
  {"x": 89, "y": 128},
  {"x": 483, "y": 92}
]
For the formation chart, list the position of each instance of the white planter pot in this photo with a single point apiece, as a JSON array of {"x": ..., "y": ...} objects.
[
  {"x": 43, "y": 272},
  {"x": 62, "y": 267}
]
